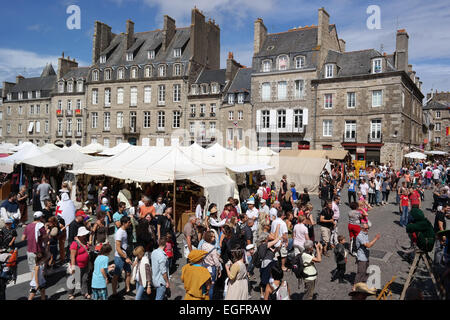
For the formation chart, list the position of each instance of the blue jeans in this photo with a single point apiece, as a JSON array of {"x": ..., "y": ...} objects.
[
  {"x": 404, "y": 216},
  {"x": 140, "y": 291},
  {"x": 160, "y": 291},
  {"x": 378, "y": 196},
  {"x": 213, "y": 279}
]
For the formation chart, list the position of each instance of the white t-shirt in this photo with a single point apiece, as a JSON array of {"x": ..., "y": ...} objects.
[
  {"x": 283, "y": 227},
  {"x": 253, "y": 214},
  {"x": 300, "y": 233},
  {"x": 273, "y": 214},
  {"x": 265, "y": 209},
  {"x": 364, "y": 188},
  {"x": 436, "y": 173},
  {"x": 378, "y": 184},
  {"x": 310, "y": 269},
  {"x": 121, "y": 235},
  {"x": 199, "y": 212}
]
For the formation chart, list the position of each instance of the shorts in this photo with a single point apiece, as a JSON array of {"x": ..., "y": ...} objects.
[
  {"x": 283, "y": 252},
  {"x": 34, "y": 290},
  {"x": 325, "y": 233},
  {"x": 99, "y": 294},
  {"x": 121, "y": 265}
]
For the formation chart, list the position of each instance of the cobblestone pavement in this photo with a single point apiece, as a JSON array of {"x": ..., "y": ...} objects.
[{"x": 385, "y": 255}]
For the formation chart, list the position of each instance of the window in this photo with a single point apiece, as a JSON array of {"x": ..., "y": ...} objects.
[
  {"x": 161, "y": 94},
  {"x": 377, "y": 66},
  {"x": 350, "y": 129},
  {"x": 176, "y": 93},
  {"x": 328, "y": 101},
  {"x": 79, "y": 104},
  {"x": 437, "y": 140},
  {"x": 266, "y": 66},
  {"x": 9, "y": 96},
  {"x": 240, "y": 134},
  {"x": 438, "y": 114},
  {"x": 148, "y": 71},
  {"x": 119, "y": 95},
  {"x": 69, "y": 105},
  {"x": 375, "y": 129},
  {"x": 351, "y": 99},
  {"x": 106, "y": 142},
  {"x": 377, "y": 98},
  {"x": 106, "y": 121},
  {"x": 204, "y": 88},
  {"x": 94, "y": 120},
  {"x": 61, "y": 87},
  {"x": 299, "y": 62},
  {"x": 120, "y": 73},
  {"x": 230, "y": 134},
  {"x": 19, "y": 128},
  {"x": 146, "y": 119},
  {"x": 69, "y": 126},
  {"x": 194, "y": 89},
  {"x": 193, "y": 109},
  {"x": 119, "y": 120},
  {"x": 102, "y": 59},
  {"x": 282, "y": 63},
  {"x": 327, "y": 128},
  {"x": 30, "y": 94},
  {"x": 47, "y": 108},
  {"x": 95, "y": 75},
  {"x": 191, "y": 127},
  {"x": 59, "y": 126},
  {"x": 38, "y": 109},
  {"x": 38, "y": 94},
  {"x": 70, "y": 86},
  {"x": 202, "y": 109},
  {"x": 147, "y": 94},
  {"x": 281, "y": 119},
  {"x": 265, "y": 92},
  {"x": 133, "y": 96},
  {"x": 93, "y": 140},
  {"x": 161, "y": 120},
  {"x": 8, "y": 110},
  {"x": 47, "y": 126},
  {"x": 282, "y": 90},
  {"x": 212, "y": 128},
  {"x": 230, "y": 98},
  {"x": 1, "y": 115},
  {"x": 299, "y": 88},
  {"x": 176, "y": 119},
  {"x": 8, "y": 128},
  {"x": 130, "y": 56},
  {"x": 151, "y": 54},
  {"x": 240, "y": 115},
  {"x": 95, "y": 96},
  {"x": 32, "y": 109},
  {"x": 119, "y": 141},
  {"x": 108, "y": 74},
  {"x": 298, "y": 118},
  {"x": 59, "y": 105},
  {"x": 213, "y": 108},
  {"x": 80, "y": 86},
  {"x": 265, "y": 114},
  {"x": 214, "y": 88},
  {"x": 79, "y": 125},
  {"x": 177, "y": 52},
  {"x": 134, "y": 72},
  {"x": 162, "y": 71},
  {"x": 329, "y": 71},
  {"x": 437, "y": 127},
  {"x": 230, "y": 115},
  {"x": 240, "y": 98},
  {"x": 107, "y": 97},
  {"x": 20, "y": 110},
  {"x": 177, "y": 70}
]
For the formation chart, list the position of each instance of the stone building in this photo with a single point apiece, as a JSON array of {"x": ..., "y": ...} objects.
[
  {"x": 438, "y": 108},
  {"x": 368, "y": 103},
  {"x": 26, "y": 108},
  {"x": 68, "y": 114},
  {"x": 138, "y": 84}
]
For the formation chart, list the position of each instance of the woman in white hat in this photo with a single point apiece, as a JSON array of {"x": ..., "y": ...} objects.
[{"x": 79, "y": 258}]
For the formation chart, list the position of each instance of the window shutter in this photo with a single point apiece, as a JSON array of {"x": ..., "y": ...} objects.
[
  {"x": 273, "y": 118},
  {"x": 305, "y": 116},
  {"x": 258, "y": 118},
  {"x": 289, "y": 118},
  {"x": 38, "y": 127}
]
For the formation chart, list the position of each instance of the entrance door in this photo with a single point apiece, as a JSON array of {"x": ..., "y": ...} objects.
[
  {"x": 132, "y": 141},
  {"x": 133, "y": 121}
]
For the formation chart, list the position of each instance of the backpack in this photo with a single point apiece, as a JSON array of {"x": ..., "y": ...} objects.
[
  {"x": 238, "y": 237},
  {"x": 299, "y": 267},
  {"x": 265, "y": 194},
  {"x": 280, "y": 293},
  {"x": 257, "y": 259}
]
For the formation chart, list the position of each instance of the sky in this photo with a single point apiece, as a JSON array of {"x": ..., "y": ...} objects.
[{"x": 34, "y": 33}]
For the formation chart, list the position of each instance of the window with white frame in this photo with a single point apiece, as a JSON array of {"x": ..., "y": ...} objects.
[
  {"x": 32, "y": 109},
  {"x": 107, "y": 74},
  {"x": 133, "y": 96},
  {"x": 79, "y": 125},
  {"x": 151, "y": 54},
  {"x": 59, "y": 105},
  {"x": 328, "y": 101},
  {"x": 177, "y": 69},
  {"x": 103, "y": 58},
  {"x": 176, "y": 119},
  {"x": 194, "y": 89},
  {"x": 298, "y": 118},
  {"x": 80, "y": 85},
  {"x": 94, "y": 96},
  {"x": 161, "y": 94},
  {"x": 162, "y": 70},
  {"x": 193, "y": 109},
  {"x": 437, "y": 140},
  {"x": 214, "y": 88},
  {"x": 212, "y": 129},
  {"x": 69, "y": 105},
  {"x": 94, "y": 120},
  {"x": 350, "y": 129},
  {"x": 107, "y": 97},
  {"x": 299, "y": 62},
  {"x": 19, "y": 128},
  {"x": 95, "y": 75},
  {"x": 266, "y": 65},
  {"x": 281, "y": 119},
  {"x": 240, "y": 115},
  {"x": 59, "y": 126},
  {"x": 377, "y": 98},
  {"x": 241, "y": 98},
  {"x": 148, "y": 71},
  {"x": 147, "y": 94},
  {"x": 146, "y": 119},
  {"x": 177, "y": 52},
  {"x": 93, "y": 140},
  {"x": 265, "y": 91},
  {"x": 119, "y": 119},
  {"x": 47, "y": 126},
  {"x": 120, "y": 73},
  {"x": 79, "y": 104},
  {"x": 327, "y": 126},
  {"x": 61, "y": 87},
  {"x": 161, "y": 120},
  {"x": 299, "y": 88},
  {"x": 107, "y": 121},
  {"x": 328, "y": 71},
  {"x": 20, "y": 110},
  {"x": 191, "y": 127},
  {"x": 119, "y": 141},
  {"x": 8, "y": 110},
  {"x": 213, "y": 108},
  {"x": 130, "y": 56},
  {"x": 283, "y": 62},
  {"x": 176, "y": 93},
  {"x": 38, "y": 94},
  {"x": 230, "y": 98},
  {"x": 69, "y": 86},
  {"x": 38, "y": 109},
  {"x": 375, "y": 129},
  {"x": 351, "y": 99},
  {"x": 30, "y": 94},
  {"x": 265, "y": 118},
  {"x": 437, "y": 126},
  {"x": 8, "y": 128},
  {"x": 230, "y": 115},
  {"x": 106, "y": 142},
  {"x": 282, "y": 90},
  {"x": 377, "y": 66},
  {"x": 202, "y": 109},
  {"x": 134, "y": 72},
  {"x": 69, "y": 126},
  {"x": 438, "y": 114},
  {"x": 120, "y": 95}
]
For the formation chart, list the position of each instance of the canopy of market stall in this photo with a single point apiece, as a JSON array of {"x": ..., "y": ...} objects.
[
  {"x": 28, "y": 151},
  {"x": 59, "y": 157}
]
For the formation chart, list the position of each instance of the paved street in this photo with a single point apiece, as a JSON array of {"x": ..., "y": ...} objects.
[{"x": 384, "y": 254}]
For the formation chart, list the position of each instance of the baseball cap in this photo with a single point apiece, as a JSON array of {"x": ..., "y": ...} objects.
[
  {"x": 38, "y": 214},
  {"x": 9, "y": 220},
  {"x": 80, "y": 213},
  {"x": 250, "y": 247}
]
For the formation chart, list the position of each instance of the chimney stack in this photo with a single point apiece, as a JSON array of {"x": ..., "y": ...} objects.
[
  {"x": 64, "y": 66},
  {"x": 130, "y": 34},
  {"x": 401, "y": 50},
  {"x": 232, "y": 67},
  {"x": 18, "y": 78},
  {"x": 324, "y": 22},
  {"x": 102, "y": 39},
  {"x": 342, "y": 45},
  {"x": 168, "y": 31},
  {"x": 260, "y": 33}
]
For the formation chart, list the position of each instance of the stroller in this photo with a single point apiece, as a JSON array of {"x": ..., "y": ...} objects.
[{"x": 8, "y": 270}]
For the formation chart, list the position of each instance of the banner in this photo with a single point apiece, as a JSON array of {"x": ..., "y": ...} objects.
[{"x": 358, "y": 164}]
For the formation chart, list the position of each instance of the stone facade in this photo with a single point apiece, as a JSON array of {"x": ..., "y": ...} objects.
[{"x": 438, "y": 109}]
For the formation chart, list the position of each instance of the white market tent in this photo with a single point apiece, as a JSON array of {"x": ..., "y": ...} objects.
[
  {"x": 6, "y": 148},
  {"x": 92, "y": 148},
  {"x": 115, "y": 150},
  {"x": 75, "y": 147},
  {"x": 437, "y": 153},
  {"x": 21, "y": 146},
  {"x": 59, "y": 157},
  {"x": 49, "y": 147},
  {"x": 29, "y": 151},
  {"x": 416, "y": 155}
]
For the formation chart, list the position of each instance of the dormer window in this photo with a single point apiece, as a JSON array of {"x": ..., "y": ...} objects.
[
  {"x": 204, "y": 89},
  {"x": 130, "y": 56},
  {"x": 95, "y": 75},
  {"x": 151, "y": 54},
  {"x": 107, "y": 74},
  {"x": 241, "y": 98},
  {"x": 9, "y": 96},
  {"x": 377, "y": 66},
  {"x": 214, "y": 88},
  {"x": 194, "y": 89},
  {"x": 120, "y": 73},
  {"x": 103, "y": 59},
  {"x": 177, "y": 70},
  {"x": 230, "y": 98},
  {"x": 177, "y": 52},
  {"x": 299, "y": 62},
  {"x": 162, "y": 71},
  {"x": 328, "y": 71},
  {"x": 148, "y": 71},
  {"x": 80, "y": 86},
  {"x": 38, "y": 94},
  {"x": 61, "y": 87},
  {"x": 70, "y": 86},
  {"x": 266, "y": 65},
  {"x": 20, "y": 95},
  {"x": 134, "y": 72},
  {"x": 30, "y": 95},
  {"x": 282, "y": 63}
]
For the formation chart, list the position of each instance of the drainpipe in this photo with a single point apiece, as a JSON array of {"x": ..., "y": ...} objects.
[{"x": 315, "y": 115}]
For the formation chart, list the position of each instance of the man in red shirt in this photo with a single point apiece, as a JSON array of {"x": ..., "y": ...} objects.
[
  {"x": 36, "y": 239},
  {"x": 414, "y": 197}
]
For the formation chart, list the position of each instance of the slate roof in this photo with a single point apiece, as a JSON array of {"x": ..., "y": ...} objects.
[
  {"x": 242, "y": 83},
  {"x": 48, "y": 71},
  {"x": 77, "y": 73},
  {"x": 435, "y": 105},
  {"x": 209, "y": 76}
]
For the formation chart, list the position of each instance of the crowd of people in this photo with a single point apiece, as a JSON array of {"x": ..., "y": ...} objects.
[{"x": 273, "y": 228}]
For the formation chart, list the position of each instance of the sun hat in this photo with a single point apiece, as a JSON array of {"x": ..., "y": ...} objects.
[
  {"x": 250, "y": 247},
  {"x": 213, "y": 210},
  {"x": 104, "y": 201},
  {"x": 9, "y": 220},
  {"x": 362, "y": 287},
  {"x": 196, "y": 255},
  {"x": 263, "y": 200},
  {"x": 251, "y": 201},
  {"x": 82, "y": 231}
]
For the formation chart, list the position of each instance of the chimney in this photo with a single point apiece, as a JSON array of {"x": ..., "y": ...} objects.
[
  {"x": 64, "y": 66},
  {"x": 342, "y": 45},
  {"x": 324, "y": 22},
  {"x": 18, "y": 78},
  {"x": 232, "y": 67},
  {"x": 130, "y": 34},
  {"x": 102, "y": 39},
  {"x": 260, "y": 33},
  {"x": 401, "y": 50},
  {"x": 7, "y": 86},
  {"x": 168, "y": 31}
]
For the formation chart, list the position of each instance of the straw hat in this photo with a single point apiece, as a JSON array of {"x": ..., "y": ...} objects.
[{"x": 213, "y": 210}]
